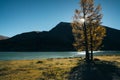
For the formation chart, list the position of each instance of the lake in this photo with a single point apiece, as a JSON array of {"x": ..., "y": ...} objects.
[{"x": 44, "y": 55}]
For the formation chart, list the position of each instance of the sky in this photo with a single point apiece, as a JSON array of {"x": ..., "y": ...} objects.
[{"x": 18, "y": 16}]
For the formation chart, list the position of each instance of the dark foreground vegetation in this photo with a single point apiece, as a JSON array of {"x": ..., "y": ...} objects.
[{"x": 96, "y": 70}]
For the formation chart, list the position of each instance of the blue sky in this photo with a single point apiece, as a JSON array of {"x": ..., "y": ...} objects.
[{"x": 18, "y": 16}]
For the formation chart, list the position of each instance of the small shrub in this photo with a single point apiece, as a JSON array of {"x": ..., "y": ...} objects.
[
  {"x": 4, "y": 68},
  {"x": 96, "y": 59},
  {"x": 39, "y": 62}
]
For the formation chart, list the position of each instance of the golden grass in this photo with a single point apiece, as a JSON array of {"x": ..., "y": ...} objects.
[
  {"x": 56, "y": 69},
  {"x": 109, "y": 58},
  {"x": 46, "y": 69}
]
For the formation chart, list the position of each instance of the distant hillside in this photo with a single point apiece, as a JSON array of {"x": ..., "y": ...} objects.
[
  {"x": 3, "y": 37},
  {"x": 59, "y": 38},
  {"x": 112, "y": 39}
]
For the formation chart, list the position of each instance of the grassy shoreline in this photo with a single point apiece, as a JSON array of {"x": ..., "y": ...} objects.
[{"x": 44, "y": 69}]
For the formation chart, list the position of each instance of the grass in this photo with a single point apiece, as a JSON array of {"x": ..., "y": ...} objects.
[{"x": 56, "y": 69}]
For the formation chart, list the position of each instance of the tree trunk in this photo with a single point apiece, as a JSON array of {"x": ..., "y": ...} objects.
[
  {"x": 91, "y": 44},
  {"x": 87, "y": 57}
]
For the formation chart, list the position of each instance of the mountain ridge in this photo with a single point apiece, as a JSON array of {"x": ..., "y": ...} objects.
[
  {"x": 3, "y": 37},
  {"x": 59, "y": 38}
]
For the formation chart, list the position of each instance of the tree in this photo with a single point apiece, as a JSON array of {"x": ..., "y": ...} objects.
[{"x": 88, "y": 33}]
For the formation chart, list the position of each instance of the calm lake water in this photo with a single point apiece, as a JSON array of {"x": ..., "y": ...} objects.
[{"x": 44, "y": 55}]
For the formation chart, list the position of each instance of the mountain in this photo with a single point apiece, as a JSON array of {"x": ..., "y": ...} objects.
[
  {"x": 112, "y": 39},
  {"x": 59, "y": 38},
  {"x": 3, "y": 37}
]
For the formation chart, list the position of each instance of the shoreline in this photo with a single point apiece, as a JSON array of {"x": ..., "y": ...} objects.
[
  {"x": 46, "y": 55},
  {"x": 81, "y": 57}
]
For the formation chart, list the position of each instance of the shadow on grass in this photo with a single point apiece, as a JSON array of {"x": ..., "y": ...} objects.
[{"x": 96, "y": 70}]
